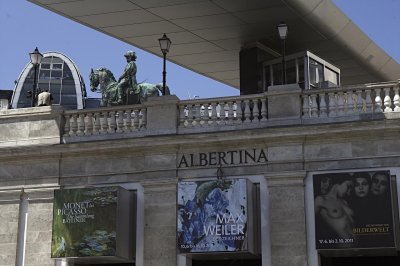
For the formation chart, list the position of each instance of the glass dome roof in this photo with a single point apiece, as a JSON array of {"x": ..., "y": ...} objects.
[{"x": 56, "y": 74}]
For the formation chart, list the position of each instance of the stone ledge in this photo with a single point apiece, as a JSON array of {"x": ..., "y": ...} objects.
[{"x": 30, "y": 126}]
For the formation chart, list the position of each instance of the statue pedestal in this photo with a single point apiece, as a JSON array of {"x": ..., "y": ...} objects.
[{"x": 162, "y": 113}]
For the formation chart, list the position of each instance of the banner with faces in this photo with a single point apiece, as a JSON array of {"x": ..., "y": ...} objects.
[{"x": 353, "y": 210}]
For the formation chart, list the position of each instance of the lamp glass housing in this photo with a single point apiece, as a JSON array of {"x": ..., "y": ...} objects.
[
  {"x": 282, "y": 30},
  {"x": 165, "y": 43},
  {"x": 36, "y": 57}
]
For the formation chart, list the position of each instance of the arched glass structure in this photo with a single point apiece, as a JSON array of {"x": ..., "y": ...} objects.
[{"x": 57, "y": 74}]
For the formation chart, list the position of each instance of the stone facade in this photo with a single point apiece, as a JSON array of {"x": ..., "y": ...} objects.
[
  {"x": 149, "y": 157},
  {"x": 8, "y": 229}
]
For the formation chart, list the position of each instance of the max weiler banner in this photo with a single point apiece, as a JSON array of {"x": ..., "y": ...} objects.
[
  {"x": 213, "y": 216},
  {"x": 84, "y": 222},
  {"x": 353, "y": 210}
]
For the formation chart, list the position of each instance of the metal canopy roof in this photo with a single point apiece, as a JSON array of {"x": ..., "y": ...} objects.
[{"x": 207, "y": 35}]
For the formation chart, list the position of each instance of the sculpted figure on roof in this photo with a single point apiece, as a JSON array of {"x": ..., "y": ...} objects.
[{"x": 126, "y": 90}]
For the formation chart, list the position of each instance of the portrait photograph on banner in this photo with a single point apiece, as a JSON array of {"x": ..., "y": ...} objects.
[{"x": 353, "y": 210}]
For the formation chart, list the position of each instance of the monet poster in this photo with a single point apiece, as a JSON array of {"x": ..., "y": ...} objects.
[
  {"x": 213, "y": 216},
  {"x": 353, "y": 210},
  {"x": 85, "y": 222}
]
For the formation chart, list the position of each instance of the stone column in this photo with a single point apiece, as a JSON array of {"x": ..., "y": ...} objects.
[
  {"x": 9, "y": 214},
  {"x": 22, "y": 228},
  {"x": 284, "y": 102},
  {"x": 160, "y": 223},
  {"x": 162, "y": 114},
  {"x": 287, "y": 218}
]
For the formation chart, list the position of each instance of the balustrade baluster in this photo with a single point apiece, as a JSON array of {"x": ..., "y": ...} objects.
[
  {"x": 369, "y": 106},
  {"x": 66, "y": 125},
  {"x": 230, "y": 113},
  {"x": 247, "y": 113},
  {"x": 263, "y": 109},
  {"x": 237, "y": 111},
  {"x": 378, "y": 101},
  {"x": 340, "y": 103},
  {"x": 314, "y": 106},
  {"x": 81, "y": 125},
  {"x": 323, "y": 110},
  {"x": 190, "y": 115},
  {"x": 113, "y": 124},
  {"x": 350, "y": 103},
  {"x": 143, "y": 123},
  {"x": 89, "y": 124},
  {"x": 197, "y": 114},
  {"x": 306, "y": 106},
  {"x": 120, "y": 121},
  {"x": 222, "y": 113},
  {"x": 206, "y": 115},
  {"x": 256, "y": 111},
  {"x": 182, "y": 115},
  {"x": 74, "y": 125},
  {"x": 104, "y": 123},
  {"x": 359, "y": 102},
  {"x": 135, "y": 120},
  {"x": 128, "y": 121},
  {"x": 387, "y": 101},
  {"x": 97, "y": 123},
  {"x": 396, "y": 100},
  {"x": 214, "y": 114},
  {"x": 332, "y": 104}
]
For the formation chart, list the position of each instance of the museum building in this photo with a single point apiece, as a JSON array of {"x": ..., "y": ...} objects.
[{"x": 300, "y": 169}]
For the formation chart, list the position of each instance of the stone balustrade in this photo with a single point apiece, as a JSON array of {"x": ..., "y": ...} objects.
[
  {"x": 110, "y": 120},
  {"x": 374, "y": 99},
  {"x": 223, "y": 111},
  {"x": 284, "y": 105},
  {"x": 281, "y": 105}
]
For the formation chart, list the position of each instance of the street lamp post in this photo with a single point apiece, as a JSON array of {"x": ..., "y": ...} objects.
[
  {"x": 283, "y": 30},
  {"x": 165, "y": 43},
  {"x": 36, "y": 58}
]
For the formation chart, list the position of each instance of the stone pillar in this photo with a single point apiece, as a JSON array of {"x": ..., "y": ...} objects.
[
  {"x": 284, "y": 102},
  {"x": 160, "y": 223},
  {"x": 39, "y": 228},
  {"x": 9, "y": 209},
  {"x": 22, "y": 225},
  {"x": 287, "y": 218},
  {"x": 162, "y": 114}
]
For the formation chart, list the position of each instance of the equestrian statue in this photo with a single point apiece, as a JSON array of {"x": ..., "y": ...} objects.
[{"x": 126, "y": 90}]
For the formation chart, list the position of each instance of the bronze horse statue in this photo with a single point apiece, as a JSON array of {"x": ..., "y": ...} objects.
[{"x": 112, "y": 94}]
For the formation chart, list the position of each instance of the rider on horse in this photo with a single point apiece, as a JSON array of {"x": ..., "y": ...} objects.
[
  {"x": 126, "y": 90},
  {"x": 127, "y": 82}
]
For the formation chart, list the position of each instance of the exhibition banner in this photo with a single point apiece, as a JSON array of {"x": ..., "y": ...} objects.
[
  {"x": 353, "y": 210},
  {"x": 214, "y": 216},
  {"x": 84, "y": 222}
]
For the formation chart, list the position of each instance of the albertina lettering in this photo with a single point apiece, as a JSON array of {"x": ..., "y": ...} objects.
[{"x": 223, "y": 158}]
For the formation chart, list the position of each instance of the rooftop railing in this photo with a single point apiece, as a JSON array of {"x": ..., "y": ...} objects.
[
  {"x": 351, "y": 101},
  {"x": 280, "y": 106},
  {"x": 103, "y": 121}
]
